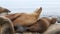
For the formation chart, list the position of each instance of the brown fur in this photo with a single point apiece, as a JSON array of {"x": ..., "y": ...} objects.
[
  {"x": 40, "y": 26},
  {"x": 26, "y": 19},
  {"x": 6, "y": 26},
  {"x": 4, "y": 10},
  {"x": 51, "y": 20},
  {"x": 12, "y": 17}
]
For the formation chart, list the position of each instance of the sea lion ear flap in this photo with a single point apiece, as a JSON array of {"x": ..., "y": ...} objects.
[{"x": 53, "y": 20}]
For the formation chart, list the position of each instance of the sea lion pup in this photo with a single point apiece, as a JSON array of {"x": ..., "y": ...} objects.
[
  {"x": 52, "y": 20},
  {"x": 26, "y": 19},
  {"x": 6, "y": 26},
  {"x": 53, "y": 29},
  {"x": 40, "y": 26}
]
